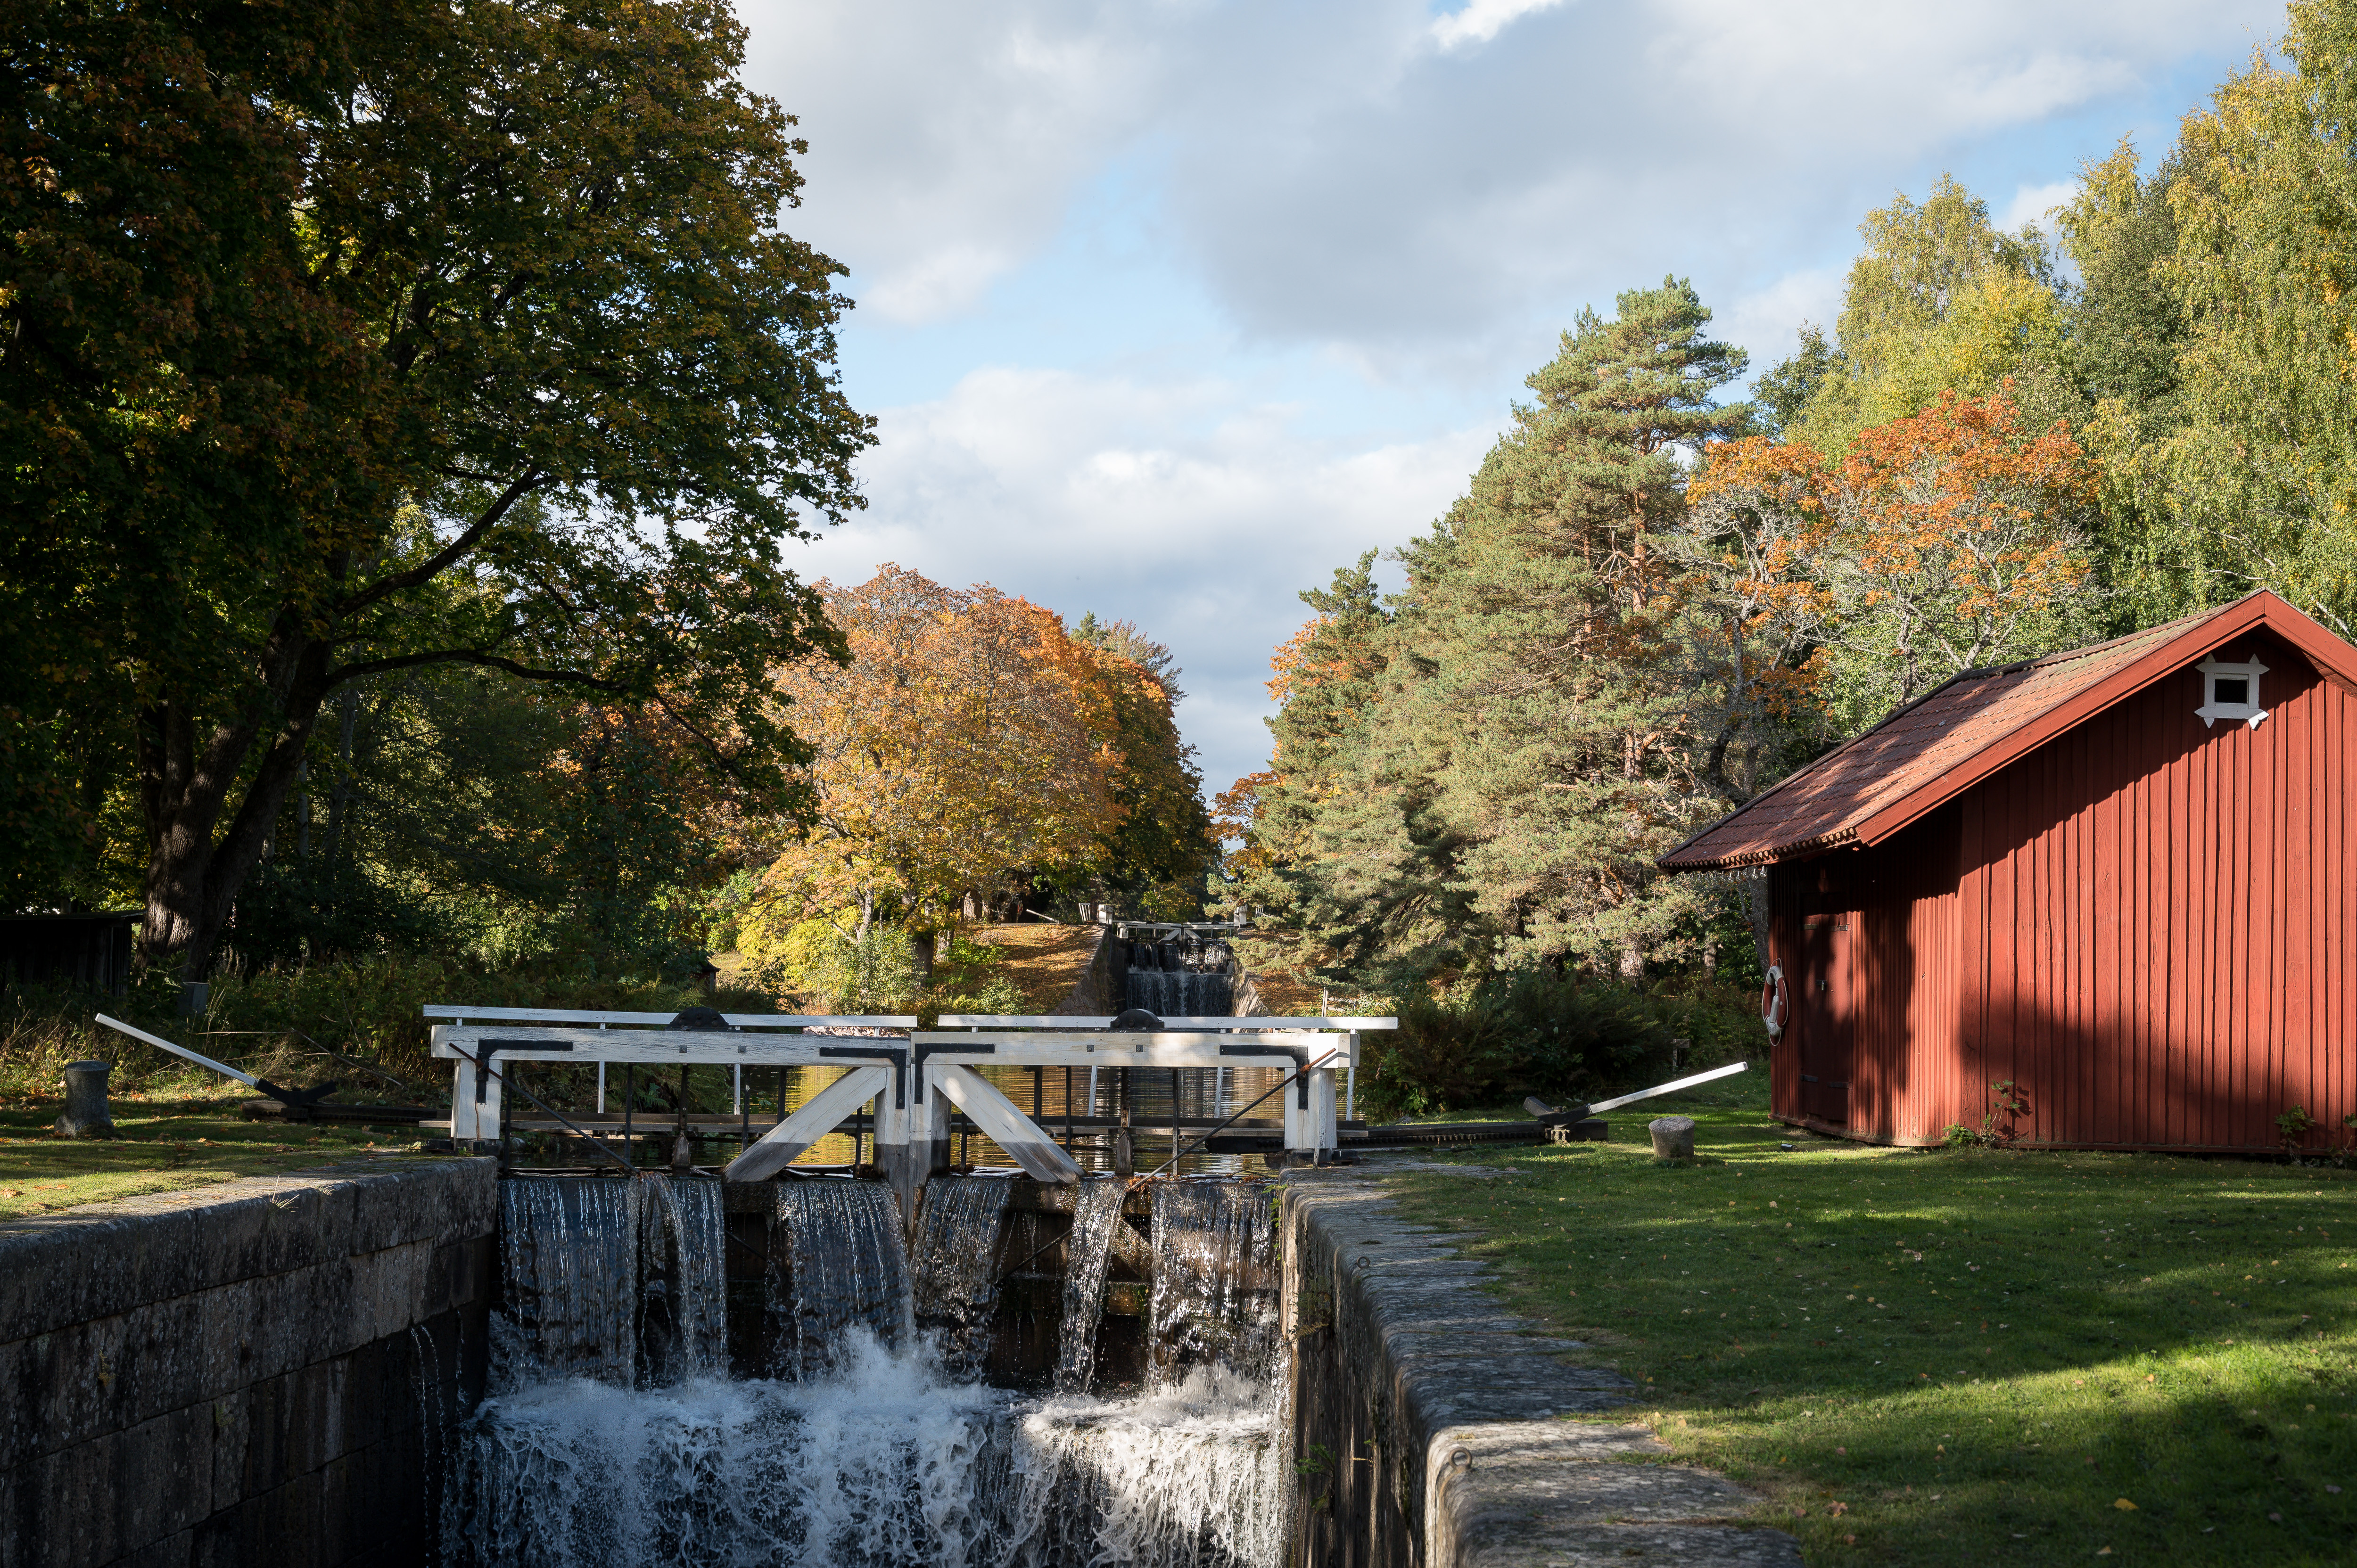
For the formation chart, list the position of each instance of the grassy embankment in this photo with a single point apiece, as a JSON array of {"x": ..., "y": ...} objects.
[
  {"x": 1951, "y": 1356},
  {"x": 165, "y": 1144}
]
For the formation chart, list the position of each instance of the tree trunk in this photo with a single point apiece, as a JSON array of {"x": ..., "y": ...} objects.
[
  {"x": 195, "y": 865},
  {"x": 340, "y": 792}
]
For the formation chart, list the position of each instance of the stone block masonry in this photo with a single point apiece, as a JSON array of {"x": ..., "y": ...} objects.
[
  {"x": 255, "y": 1372},
  {"x": 1428, "y": 1426}
]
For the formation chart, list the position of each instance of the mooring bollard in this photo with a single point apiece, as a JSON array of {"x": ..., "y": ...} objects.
[
  {"x": 86, "y": 1114},
  {"x": 1673, "y": 1137}
]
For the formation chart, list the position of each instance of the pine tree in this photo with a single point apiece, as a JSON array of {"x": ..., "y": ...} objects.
[{"x": 1484, "y": 770}]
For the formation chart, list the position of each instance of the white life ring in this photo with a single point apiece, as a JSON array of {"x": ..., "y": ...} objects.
[{"x": 1775, "y": 1002}]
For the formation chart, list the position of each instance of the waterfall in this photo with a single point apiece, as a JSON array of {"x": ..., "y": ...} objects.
[
  {"x": 1216, "y": 1281},
  {"x": 872, "y": 1446},
  {"x": 569, "y": 1279},
  {"x": 1097, "y": 1209},
  {"x": 1190, "y": 1477},
  {"x": 878, "y": 1464},
  {"x": 616, "y": 1281},
  {"x": 684, "y": 1320},
  {"x": 956, "y": 1266},
  {"x": 1182, "y": 993},
  {"x": 837, "y": 1260}
]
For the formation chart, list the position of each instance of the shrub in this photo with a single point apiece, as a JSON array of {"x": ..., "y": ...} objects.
[
  {"x": 1525, "y": 1032},
  {"x": 369, "y": 1008}
]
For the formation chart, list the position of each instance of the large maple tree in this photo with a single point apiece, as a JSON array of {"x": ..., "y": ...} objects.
[{"x": 337, "y": 339}]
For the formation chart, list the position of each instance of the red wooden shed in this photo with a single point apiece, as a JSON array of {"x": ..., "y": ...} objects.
[{"x": 2123, "y": 878}]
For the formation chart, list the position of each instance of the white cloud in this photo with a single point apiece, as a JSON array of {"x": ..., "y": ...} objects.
[
  {"x": 1482, "y": 21},
  {"x": 1768, "y": 320},
  {"x": 1187, "y": 506},
  {"x": 2036, "y": 204},
  {"x": 946, "y": 139},
  {"x": 1333, "y": 177}
]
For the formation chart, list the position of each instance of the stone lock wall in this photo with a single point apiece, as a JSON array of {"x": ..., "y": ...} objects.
[
  {"x": 256, "y": 1372},
  {"x": 1433, "y": 1428}
]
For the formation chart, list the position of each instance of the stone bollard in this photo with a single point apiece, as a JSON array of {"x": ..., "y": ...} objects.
[
  {"x": 86, "y": 1114},
  {"x": 1673, "y": 1137}
]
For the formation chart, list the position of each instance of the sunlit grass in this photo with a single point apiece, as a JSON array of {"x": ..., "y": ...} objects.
[
  {"x": 166, "y": 1145},
  {"x": 1957, "y": 1356}
]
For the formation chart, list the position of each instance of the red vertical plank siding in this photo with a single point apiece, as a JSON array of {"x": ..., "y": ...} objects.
[
  {"x": 2110, "y": 1013},
  {"x": 2297, "y": 923},
  {"x": 2146, "y": 923}
]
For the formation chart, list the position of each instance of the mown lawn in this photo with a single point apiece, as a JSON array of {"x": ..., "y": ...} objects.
[
  {"x": 1957, "y": 1356},
  {"x": 165, "y": 1145}
]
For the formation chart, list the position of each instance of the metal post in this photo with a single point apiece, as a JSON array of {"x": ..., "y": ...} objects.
[
  {"x": 744, "y": 1111},
  {"x": 601, "y": 1088},
  {"x": 1068, "y": 1111},
  {"x": 629, "y": 1106},
  {"x": 1174, "y": 1112},
  {"x": 1351, "y": 1083}
]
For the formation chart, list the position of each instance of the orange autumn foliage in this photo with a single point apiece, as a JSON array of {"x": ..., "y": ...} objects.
[
  {"x": 966, "y": 737},
  {"x": 1941, "y": 541}
]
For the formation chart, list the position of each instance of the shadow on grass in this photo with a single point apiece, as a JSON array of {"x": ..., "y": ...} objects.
[{"x": 1958, "y": 1355}]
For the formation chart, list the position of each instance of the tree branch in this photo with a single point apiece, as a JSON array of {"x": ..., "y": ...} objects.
[
  {"x": 443, "y": 559},
  {"x": 470, "y": 656}
]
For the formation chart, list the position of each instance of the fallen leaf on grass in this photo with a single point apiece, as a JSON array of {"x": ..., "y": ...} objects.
[{"x": 2125, "y": 1506}]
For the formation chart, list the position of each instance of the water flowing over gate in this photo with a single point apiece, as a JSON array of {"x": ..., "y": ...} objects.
[{"x": 868, "y": 1435}]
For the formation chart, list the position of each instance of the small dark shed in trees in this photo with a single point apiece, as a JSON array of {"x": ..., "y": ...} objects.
[{"x": 2122, "y": 879}]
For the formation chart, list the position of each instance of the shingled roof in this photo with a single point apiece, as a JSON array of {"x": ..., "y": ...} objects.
[{"x": 1936, "y": 748}]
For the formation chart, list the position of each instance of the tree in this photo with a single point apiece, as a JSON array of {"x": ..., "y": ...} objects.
[
  {"x": 2262, "y": 467},
  {"x": 967, "y": 736},
  {"x": 1324, "y": 900},
  {"x": 1157, "y": 845},
  {"x": 1480, "y": 773},
  {"x": 2127, "y": 328},
  {"x": 1940, "y": 300},
  {"x": 351, "y": 339},
  {"x": 1944, "y": 542}
]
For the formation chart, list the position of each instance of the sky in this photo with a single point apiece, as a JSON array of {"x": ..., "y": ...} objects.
[{"x": 1168, "y": 308}]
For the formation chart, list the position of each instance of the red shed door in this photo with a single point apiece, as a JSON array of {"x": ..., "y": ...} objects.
[{"x": 1823, "y": 1011}]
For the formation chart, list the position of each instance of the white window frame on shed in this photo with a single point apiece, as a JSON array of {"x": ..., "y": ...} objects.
[{"x": 2212, "y": 710}]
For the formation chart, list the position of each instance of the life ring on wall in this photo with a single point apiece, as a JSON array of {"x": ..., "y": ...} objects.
[{"x": 1775, "y": 1002}]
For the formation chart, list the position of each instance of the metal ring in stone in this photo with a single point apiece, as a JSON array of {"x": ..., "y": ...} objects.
[{"x": 1461, "y": 1457}]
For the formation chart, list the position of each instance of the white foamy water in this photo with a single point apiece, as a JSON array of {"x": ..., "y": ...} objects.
[
  {"x": 879, "y": 1464},
  {"x": 1193, "y": 1474},
  {"x": 612, "y": 1442}
]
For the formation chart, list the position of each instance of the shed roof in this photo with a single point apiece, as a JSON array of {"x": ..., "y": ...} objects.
[{"x": 1941, "y": 744}]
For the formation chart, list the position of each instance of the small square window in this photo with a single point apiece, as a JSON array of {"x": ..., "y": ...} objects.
[{"x": 2230, "y": 690}]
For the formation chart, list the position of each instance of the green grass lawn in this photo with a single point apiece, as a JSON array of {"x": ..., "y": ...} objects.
[
  {"x": 165, "y": 1145},
  {"x": 1956, "y": 1355}
]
